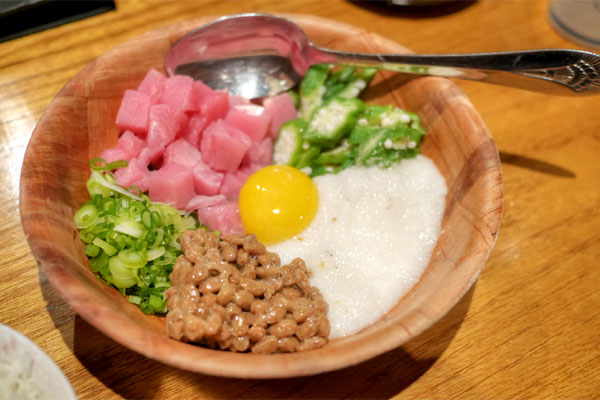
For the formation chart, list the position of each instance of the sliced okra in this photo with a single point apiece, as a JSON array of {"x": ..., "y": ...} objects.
[
  {"x": 355, "y": 86},
  {"x": 332, "y": 121},
  {"x": 383, "y": 146},
  {"x": 312, "y": 89},
  {"x": 288, "y": 145},
  {"x": 336, "y": 156},
  {"x": 308, "y": 155}
]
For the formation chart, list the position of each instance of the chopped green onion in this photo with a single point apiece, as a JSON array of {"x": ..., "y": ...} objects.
[
  {"x": 155, "y": 253},
  {"x": 130, "y": 228},
  {"x": 156, "y": 302},
  {"x": 108, "y": 249},
  {"x": 100, "y": 164},
  {"x": 86, "y": 216},
  {"x": 102, "y": 180},
  {"x": 132, "y": 258},
  {"x": 147, "y": 219},
  {"x": 131, "y": 241},
  {"x": 91, "y": 250}
]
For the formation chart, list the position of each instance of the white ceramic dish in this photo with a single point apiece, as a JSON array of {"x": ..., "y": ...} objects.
[{"x": 26, "y": 372}]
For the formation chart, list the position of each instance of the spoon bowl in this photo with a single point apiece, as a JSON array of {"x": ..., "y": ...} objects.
[{"x": 257, "y": 55}]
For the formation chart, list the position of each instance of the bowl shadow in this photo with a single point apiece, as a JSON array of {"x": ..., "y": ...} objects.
[
  {"x": 395, "y": 370},
  {"x": 534, "y": 164}
]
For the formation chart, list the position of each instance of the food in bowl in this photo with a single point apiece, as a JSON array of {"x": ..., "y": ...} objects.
[
  {"x": 233, "y": 294},
  {"x": 201, "y": 151},
  {"x": 371, "y": 239},
  {"x": 457, "y": 141}
]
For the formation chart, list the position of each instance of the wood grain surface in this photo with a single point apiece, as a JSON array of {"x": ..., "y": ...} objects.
[{"x": 529, "y": 327}]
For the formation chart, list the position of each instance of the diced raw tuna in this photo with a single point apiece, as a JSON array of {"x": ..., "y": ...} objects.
[
  {"x": 152, "y": 155},
  {"x": 231, "y": 186},
  {"x": 181, "y": 152},
  {"x": 164, "y": 125},
  {"x": 153, "y": 85},
  {"x": 200, "y": 91},
  {"x": 245, "y": 171},
  {"x": 281, "y": 108},
  {"x": 172, "y": 184},
  {"x": 206, "y": 180},
  {"x": 251, "y": 119},
  {"x": 235, "y": 100},
  {"x": 128, "y": 147},
  {"x": 202, "y": 144},
  {"x": 136, "y": 173},
  {"x": 178, "y": 93},
  {"x": 223, "y": 147},
  {"x": 133, "y": 112},
  {"x": 222, "y": 217},
  {"x": 205, "y": 201},
  {"x": 110, "y": 155},
  {"x": 215, "y": 104},
  {"x": 260, "y": 153},
  {"x": 233, "y": 181},
  {"x": 193, "y": 131}
]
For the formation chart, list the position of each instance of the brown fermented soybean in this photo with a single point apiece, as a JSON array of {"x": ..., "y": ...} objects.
[{"x": 233, "y": 294}]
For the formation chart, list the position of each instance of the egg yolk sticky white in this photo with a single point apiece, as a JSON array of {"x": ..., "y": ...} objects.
[{"x": 277, "y": 202}]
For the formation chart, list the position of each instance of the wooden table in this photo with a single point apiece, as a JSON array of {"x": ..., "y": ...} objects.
[{"x": 529, "y": 327}]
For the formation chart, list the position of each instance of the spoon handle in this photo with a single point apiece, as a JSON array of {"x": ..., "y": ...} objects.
[{"x": 555, "y": 71}]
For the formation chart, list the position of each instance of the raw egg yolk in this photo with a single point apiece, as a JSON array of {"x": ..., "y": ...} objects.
[{"x": 277, "y": 202}]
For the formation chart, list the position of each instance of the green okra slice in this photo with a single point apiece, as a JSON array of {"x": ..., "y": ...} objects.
[
  {"x": 306, "y": 158},
  {"x": 312, "y": 89},
  {"x": 288, "y": 145},
  {"x": 383, "y": 146},
  {"x": 389, "y": 116},
  {"x": 336, "y": 156},
  {"x": 332, "y": 121},
  {"x": 337, "y": 80},
  {"x": 353, "y": 85}
]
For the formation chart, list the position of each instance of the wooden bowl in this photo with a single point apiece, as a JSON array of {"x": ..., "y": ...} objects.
[{"x": 79, "y": 124}]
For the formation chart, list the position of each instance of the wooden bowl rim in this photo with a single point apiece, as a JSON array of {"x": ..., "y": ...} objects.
[{"x": 218, "y": 362}]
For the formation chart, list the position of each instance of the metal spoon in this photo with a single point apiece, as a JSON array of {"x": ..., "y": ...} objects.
[{"x": 257, "y": 55}]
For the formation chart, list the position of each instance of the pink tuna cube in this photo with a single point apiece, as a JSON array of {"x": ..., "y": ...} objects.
[
  {"x": 152, "y": 155},
  {"x": 205, "y": 201},
  {"x": 231, "y": 186},
  {"x": 251, "y": 119},
  {"x": 181, "y": 152},
  {"x": 200, "y": 91},
  {"x": 135, "y": 174},
  {"x": 178, "y": 93},
  {"x": 172, "y": 184},
  {"x": 215, "y": 105},
  {"x": 223, "y": 147},
  {"x": 128, "y": 147},
  {"x": 153, "y": 85},
  {"x": 206, "y": 180},
  {"x": 260, "y": 153},
  {"x": 281, "y": 108},
  {"x": 110, "y": 155},
  {"x": 222, "y": 217},
  {"x": 193, "y": 131},
  {"x": 133, "y": 112},
  {"x": 164, "y": 125},
  {"x": 233, "y": 181}
]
